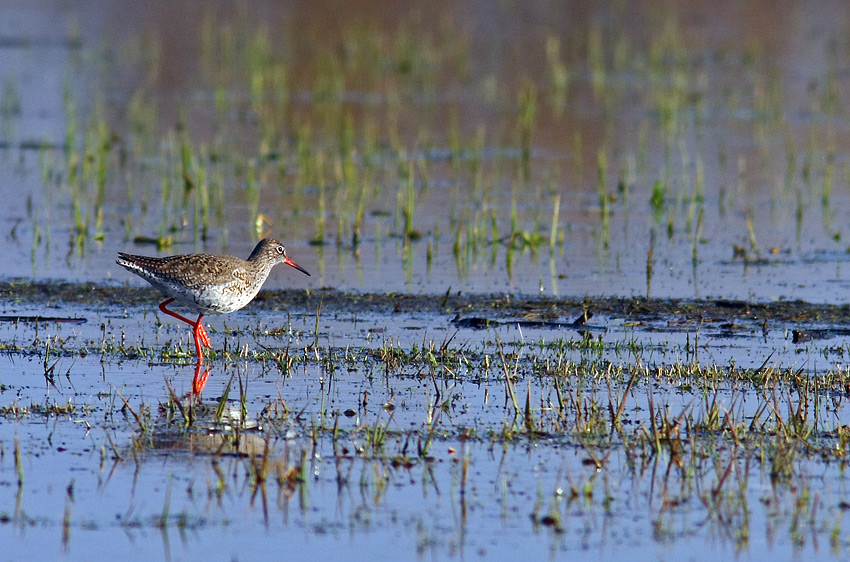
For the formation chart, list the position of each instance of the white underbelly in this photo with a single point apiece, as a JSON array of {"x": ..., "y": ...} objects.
[{"x": 219, "y": 299}]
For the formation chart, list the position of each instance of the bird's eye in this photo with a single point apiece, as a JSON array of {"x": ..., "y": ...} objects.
[{"x": 280, "y": 250}]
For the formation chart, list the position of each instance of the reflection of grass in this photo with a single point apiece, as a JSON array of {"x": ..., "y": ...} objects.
[
  {"x": 10, "y": 107},
  {"x": 657, "y": 199},
  {"x": 527, "y": 115}
]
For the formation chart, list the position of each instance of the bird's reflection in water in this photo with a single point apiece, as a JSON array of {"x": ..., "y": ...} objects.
[{"x": 199, "y": 381}]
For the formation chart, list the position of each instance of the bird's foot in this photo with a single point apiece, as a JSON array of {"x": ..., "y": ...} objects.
[{"x": 202, "y": 335}]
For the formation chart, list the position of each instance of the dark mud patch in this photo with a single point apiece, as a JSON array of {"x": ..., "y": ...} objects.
[
  {"x": 478, "y": 310},
  {"x": 37, "y": 319}
]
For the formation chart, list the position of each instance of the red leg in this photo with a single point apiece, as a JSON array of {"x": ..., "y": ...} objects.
[
  {"x": 201, "y": 337},
  {"x": 165, "y": 303},
  {"x": 199, "y": 381},
  {"x": 202, "y": 332},
  {"x": 198, "y": 330}
]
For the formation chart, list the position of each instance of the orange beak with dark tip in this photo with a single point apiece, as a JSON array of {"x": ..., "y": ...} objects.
[{"x": 291, "y": 263}]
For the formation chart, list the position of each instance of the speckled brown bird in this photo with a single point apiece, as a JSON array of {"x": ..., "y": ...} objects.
[{"x": 208, "y": 283}]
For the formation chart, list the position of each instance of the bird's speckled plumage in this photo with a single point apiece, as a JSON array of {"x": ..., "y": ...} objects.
[{"x": 210, "y": 283}]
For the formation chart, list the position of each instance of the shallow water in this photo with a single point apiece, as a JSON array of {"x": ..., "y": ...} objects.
[
  {"x": 98, "y": 479},
  {"x": 694, "y": 153}
]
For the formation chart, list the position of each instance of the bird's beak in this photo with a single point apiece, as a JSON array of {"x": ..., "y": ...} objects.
[{"x": 289, "y": 262}]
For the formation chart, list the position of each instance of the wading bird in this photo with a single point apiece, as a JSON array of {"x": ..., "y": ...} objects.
[{"x": 208, "y": 283}]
